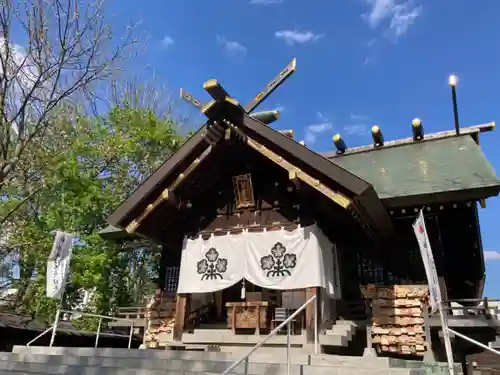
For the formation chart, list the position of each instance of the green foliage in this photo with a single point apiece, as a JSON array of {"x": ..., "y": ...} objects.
[{"x": 75, "y": 176}]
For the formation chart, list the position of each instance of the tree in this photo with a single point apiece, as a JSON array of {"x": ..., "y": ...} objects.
[
  {"x": 65, "y": 49},
  {"x": 104, "y": 159}
]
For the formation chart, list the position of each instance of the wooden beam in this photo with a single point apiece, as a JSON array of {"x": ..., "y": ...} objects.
[
  {"x": 349, "y": 181},
  {"x": 293, "y": 171},
  {"x": 167, "y": 195},
  {"x": 294, "y": 178},
  {"x": 215, "y": 90},
  {"x": 271, "y": 86},
  {"x": 482, "y": 203},
  {"x": 310, "y": 318},
  {"x": 182, "y": 312},
  {"x": 266, "y": 117},
  {"x": 191, "y": 99},
  {"x": 208, "y": 108}
]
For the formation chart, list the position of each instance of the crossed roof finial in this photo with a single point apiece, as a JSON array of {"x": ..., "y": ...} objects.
[{"x": 219, "y": 94}]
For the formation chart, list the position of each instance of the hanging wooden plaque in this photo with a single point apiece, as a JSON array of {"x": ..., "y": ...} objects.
[{"x": 243, "y": 191}]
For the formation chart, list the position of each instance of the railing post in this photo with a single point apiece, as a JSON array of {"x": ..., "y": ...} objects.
[
  {"x": 316, "y": 325},
  {"x": 98, "y": 333},
  {"x": 369, "y": 351},
  {"x": 429, "y": 354},
  {"x": 271, "y": 334},
  {"x": 246, "y": 366},
  {"x": 288, "y": 347},
  {"x": 54, "y": 327},
  {"x": 486, "y": 307},
  {"x": 130, "y": 335}
]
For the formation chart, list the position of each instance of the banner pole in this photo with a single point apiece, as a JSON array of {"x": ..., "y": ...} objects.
[
  {"x": 435, "y": 296},
  {"x": 54, "y": 327},
  {"x": 446, "y": 338},
  {"x": 58, "y": 317}
]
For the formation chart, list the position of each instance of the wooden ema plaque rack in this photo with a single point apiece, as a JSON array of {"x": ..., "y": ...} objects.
[
  {"x": 248, "y": 315},
  {"x": 398, "y": 318},
  {"x": 160, "y": 317}
]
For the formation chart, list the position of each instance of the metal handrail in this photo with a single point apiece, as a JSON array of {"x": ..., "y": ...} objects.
[
  {"x": 40, "y": 335},
  {"x": 82, "y": 313},
  {"x": 481, "y": 345},
  {"x": 276, "y": 330}
]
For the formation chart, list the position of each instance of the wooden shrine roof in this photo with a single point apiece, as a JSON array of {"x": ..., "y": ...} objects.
[
  {"x": 365, "y": 202},
  {"x": 441, "y": 168}
]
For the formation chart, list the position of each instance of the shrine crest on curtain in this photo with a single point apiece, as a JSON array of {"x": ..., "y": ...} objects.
[{"x": 274, "y": 259}]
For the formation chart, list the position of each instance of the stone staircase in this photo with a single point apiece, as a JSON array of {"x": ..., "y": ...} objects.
[
  {"x": 103, "y": 361},
  {"x": 340, "y": 335}
]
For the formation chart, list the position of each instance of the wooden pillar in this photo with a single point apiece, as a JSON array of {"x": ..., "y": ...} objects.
[
  {"x": 218, "y": 303},
  {"x": 310, "y": 318},
  {"x": 429, "y": 353},
  {"x": 182, "y": 312}
]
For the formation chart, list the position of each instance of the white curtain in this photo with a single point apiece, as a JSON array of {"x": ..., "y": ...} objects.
[
  {"x": 210, "y": 265},
  {"x": 280, "y": 260}
]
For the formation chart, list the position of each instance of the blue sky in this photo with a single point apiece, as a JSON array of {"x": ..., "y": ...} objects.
[{"x": 359, "y": 63}]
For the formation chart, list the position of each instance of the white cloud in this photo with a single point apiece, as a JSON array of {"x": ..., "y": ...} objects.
[
  {"x": 294, "y": 36},
  {"x": 167, "y": 41},
  {"x": 356, "y": 129},
  {"x": 231, "y": 46},
  {"x": 491, "y": 255},
  {"x": 266, "y": 2},
  {"x": 320, "y": 128},
  {"x": 357, "y": 117},
  {"x": 310, "y": 138},
  {"x": 322, "y": 125},
  {"x": 400, "y": 15}
]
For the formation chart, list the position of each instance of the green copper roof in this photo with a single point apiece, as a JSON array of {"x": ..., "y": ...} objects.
[{"x": 423, "y": 168}]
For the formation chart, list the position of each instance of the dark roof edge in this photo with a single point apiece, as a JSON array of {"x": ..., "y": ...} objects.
[
  {"x": 470, "y": 130},
  {"x": 113, "y": 233},
  {"x": 363, "y": 190},
  {"x": 156, "y": 178},
  {"x": 443, "y": 197},
  {"x": 345, "y": 178}
]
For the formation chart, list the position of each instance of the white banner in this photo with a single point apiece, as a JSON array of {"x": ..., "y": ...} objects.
[
  {"x": 58, "y": 265},
  {"x": 428, "y": 260},
  {"x": 273, "y": 259}
]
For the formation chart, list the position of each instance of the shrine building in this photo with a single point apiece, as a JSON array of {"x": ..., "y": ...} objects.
[{"x": 252, "y": 222}]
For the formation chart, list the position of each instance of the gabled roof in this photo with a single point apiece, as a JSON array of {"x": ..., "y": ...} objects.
[
  {"x": 309, "y": 165},
  {"x": 441, "y": 168},
  {"x": 157, "y": 177}
]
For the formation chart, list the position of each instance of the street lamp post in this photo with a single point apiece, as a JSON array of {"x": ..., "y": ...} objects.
[{"x": 453, "y": 80}]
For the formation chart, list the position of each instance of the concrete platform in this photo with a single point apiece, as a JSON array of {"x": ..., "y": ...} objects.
[{"x": 90, "y": 361}]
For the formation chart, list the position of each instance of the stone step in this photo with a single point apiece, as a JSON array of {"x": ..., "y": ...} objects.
[
  {"x": 342, "y": 333},
  {"x": 261, "y": 362},
  {"x": 201, "y": 366},
  {"x": 191, "y": 364},
  {"x": 133, "y": 367},
  {"x": 261, "y": 355},
  {"x": 334, "y": 340},
  {"x": 338, "y": 360},
  {"x": 221, "y": 336},
  {"x": 299, "y": 355}
]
